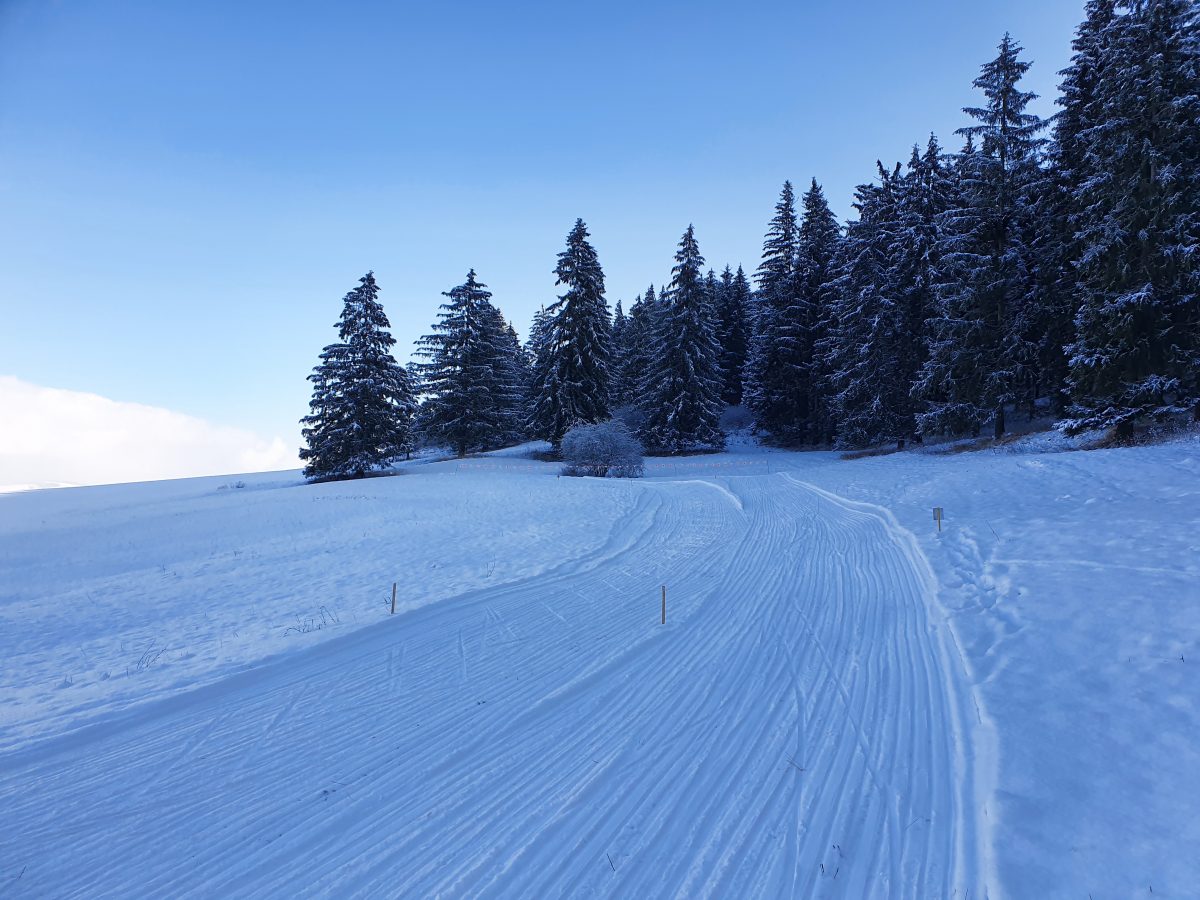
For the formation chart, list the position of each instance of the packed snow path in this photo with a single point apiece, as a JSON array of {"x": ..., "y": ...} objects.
[{"x": 800, "y": 727}]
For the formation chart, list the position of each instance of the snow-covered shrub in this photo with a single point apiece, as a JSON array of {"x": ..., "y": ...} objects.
[{"x": 606, "y": 449}]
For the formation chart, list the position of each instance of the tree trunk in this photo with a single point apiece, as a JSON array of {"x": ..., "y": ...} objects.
[{"x": 999, "y": 431}]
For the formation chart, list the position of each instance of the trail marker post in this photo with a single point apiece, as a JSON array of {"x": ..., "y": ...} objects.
[
  {"x": 393, "y": 598},
  {"x": 937, "y": 516},
  {"x": 664, "y": 604}
]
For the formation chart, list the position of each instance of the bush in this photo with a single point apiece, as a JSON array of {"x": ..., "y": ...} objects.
[{"x": 603, "y": 450}]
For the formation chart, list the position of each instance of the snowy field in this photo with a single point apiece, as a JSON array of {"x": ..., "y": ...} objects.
[{"x": 203, "y": 692}]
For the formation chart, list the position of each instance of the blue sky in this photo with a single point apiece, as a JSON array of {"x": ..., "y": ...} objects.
[{"x": 188, "y": 189}]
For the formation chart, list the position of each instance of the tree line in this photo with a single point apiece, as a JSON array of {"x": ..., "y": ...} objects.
[{"x": 1046, "y": 268}]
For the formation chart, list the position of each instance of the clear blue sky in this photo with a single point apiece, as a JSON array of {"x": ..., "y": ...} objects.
[{"x": 188, "y": 189}]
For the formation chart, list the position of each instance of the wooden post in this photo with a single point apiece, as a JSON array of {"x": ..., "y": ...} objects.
[
  {"x": 393, "y": 598},
  {"x": 937, "y": 516},
  {"x": 664, "y": 605}
]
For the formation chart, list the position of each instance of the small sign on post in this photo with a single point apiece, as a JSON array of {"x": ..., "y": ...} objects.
[
  {"x": 393, "y": 598},
  {"x": 664, "y": 604},
  {"x": 937, "y": 516}
]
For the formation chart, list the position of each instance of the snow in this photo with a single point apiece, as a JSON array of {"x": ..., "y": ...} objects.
[
  {"x": 1073, "y": 583},
  {"x": 843, "y": 702},
  {"x": 120, "y": 594},
  {"x": 33, "y": 486}
]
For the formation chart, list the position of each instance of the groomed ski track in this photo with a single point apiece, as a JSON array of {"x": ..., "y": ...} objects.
[{"x": 801, "y": 727}]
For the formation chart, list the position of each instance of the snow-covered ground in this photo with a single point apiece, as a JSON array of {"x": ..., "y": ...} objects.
[
  {"x": 33, "y": 486},
  {"x": 203, "y": 692},
  {"x": 111, "y": 596}
]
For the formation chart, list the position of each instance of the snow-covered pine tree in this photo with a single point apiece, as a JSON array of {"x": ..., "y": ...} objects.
[
  {"x": 509, "y": 376},
  {"x": 1068, "y": 170},
  {"x": 817, "y": 247},
  {"x": 639, "y": 337},
  {"x": 538, "y": 367},
  {"x": 713, "y": 285},
  {"x": 1079, "y": 113},
  {"x": 982, "y": 355},
  {"x": 468, "y": 373},
  {"x": 413, "y": 369},
  {"x": 1137, "y": 352},
  {"x": 363, "y": 403},
  {"x": 618, "y": 349},
  {"x": 1079, "y": 92},
  {"x": 868, "y": 351},
  {"x": 625, "y": 353},
  {"x": 575, "y": 388},
  {"x": 732, "y": 335},
  {"x": 682, "y": 388},
  {"x": 1049, "y": 320},
  {"x": 775, "y": 365},
  {"x": 952, "y": 375},
  {"x": 919, "y": 200},
  {"x": 525, "y": 360}
]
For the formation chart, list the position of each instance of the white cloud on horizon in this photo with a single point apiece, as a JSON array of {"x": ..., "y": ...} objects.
[{"x": 50, "y": 435}]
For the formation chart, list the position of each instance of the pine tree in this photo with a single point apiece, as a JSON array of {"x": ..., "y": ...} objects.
[
  {"x": 362, "y": 405},
  {"x": 638, "y": 350},
  {"x": 525, "y": 360},
  {"x": 713, "y": 285},
  {"x": 574, "y": 388},
  {"x": 784, "y": 373},
  {"x": 982, "y": 352},
  {"x": 1068, "y": 170},
  {"x": 619, "y": 351},
  {"x": 1049, "y": 318},
  {"x": 682, "y": 388},
  {"x": 625, "y": 352},
  {"x": 775, "y": 365},
  {"x": 538, "y": 356},
  {"x": 1137, "y": 353},
  {"x": 732, "y": 336},
  {"x": 470, "y": 373},
  {"x": 1078, "y": 91},
  {"x": 960, "y": 342},
  {"x": 868, "y": 350},
  {"x": 918, "y": 201},
  {"x": 1079, "y": 113},
  {"x": 817, "y": 248},
  {"x": 510, "y": 378}
]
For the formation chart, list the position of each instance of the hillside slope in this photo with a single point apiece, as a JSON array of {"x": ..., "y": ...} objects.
[{"x": 843, "y": 702}]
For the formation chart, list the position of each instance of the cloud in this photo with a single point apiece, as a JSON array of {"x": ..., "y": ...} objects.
[{"x": 52, "y": 436}]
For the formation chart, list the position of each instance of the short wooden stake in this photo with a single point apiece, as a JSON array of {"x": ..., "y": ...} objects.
[
  {"x": 664, "y": 606},
  {"x": 937, "y": 516},
  {"x": 393, "y": 598}
]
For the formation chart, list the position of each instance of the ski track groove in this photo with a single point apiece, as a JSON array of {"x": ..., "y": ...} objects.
[{"x": 571, "y": 729}]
